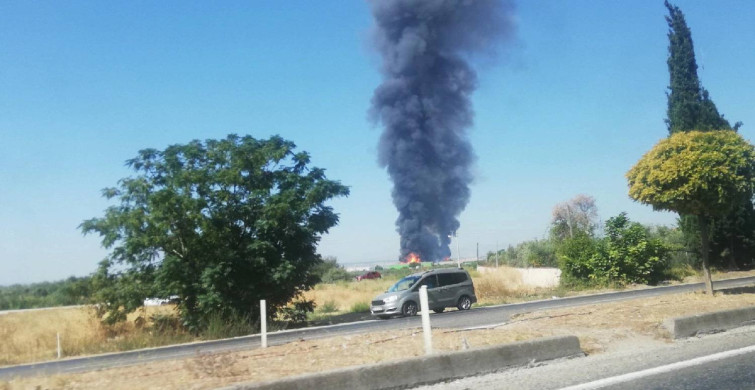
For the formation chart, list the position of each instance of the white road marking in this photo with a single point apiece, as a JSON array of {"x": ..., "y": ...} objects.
[{"x": 658, "y": 370}]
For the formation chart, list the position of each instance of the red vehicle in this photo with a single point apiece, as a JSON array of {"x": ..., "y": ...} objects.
[{"x": 369, "y": 275}]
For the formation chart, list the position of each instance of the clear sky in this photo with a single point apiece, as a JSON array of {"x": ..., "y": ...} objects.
[{"x": 567, "y": 108}]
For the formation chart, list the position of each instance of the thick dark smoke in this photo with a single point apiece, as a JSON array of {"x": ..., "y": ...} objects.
[{"x": 424, "y": 105}]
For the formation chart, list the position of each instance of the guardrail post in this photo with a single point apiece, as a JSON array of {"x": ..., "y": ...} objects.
[
  {"x": 263, "y": 323},
  {"x": 426, "y": 320}
]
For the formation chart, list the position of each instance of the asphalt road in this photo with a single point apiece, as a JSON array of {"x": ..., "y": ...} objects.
[
  {"x": 477, "y": 317},
  {"x": 731, "y": 373},
  {"x": 723, "y": 361}
]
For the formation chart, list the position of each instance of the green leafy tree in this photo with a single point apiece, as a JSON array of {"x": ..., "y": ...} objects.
[
  {"x": 221, "y": 223},
  {"x": 733, "y": 237},
  {"x": 705, "y": 174},
  {"x": 690, "y": 108}
]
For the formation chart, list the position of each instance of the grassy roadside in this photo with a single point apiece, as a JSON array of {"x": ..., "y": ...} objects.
[
  {"x": 600, "y": 328},
  {"x": 31, "y": 336}
]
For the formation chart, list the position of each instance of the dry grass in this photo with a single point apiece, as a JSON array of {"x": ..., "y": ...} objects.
[
  {"x": 30, "y": 336},
  {"x": 719, "y": 275},
  {"x": 346, "y": 295},
  {"x": 499, "y": 285},
  {"x": 599, "y": 327}
]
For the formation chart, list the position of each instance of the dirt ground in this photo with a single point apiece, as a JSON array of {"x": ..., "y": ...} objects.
[{"x": 600, "y": 328}]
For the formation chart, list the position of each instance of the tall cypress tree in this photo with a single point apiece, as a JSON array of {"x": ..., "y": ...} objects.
[
  {"x": 689, "y": 104},
  {"x": 690, "y": 108}
]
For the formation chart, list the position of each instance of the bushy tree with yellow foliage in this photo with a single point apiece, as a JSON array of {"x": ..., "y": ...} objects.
[{"x": 705, "y": 174}]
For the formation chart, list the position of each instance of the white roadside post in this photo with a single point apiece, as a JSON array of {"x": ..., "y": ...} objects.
[
  {"x": 263, "y": 324},
  {"x": 59, "y": 352},
  {"x": 426, "y": 320}
]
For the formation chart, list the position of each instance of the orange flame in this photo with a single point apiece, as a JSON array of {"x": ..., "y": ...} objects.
[{"x": 413, "y": 258}]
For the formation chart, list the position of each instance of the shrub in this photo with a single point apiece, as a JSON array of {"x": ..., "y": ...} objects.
[
  {"x": 397, "y": 273},
  {"x": 626, "y": 255},
  {"x": 360, "y": 307},
  {"x": 629, "y": 255},
  {"x": 165, "y": 323},
  {"x": 535, "y": 253},
  {"x": 329, "y": 307},
  {"x": 296, "y": 313},
  {"x": 679, "y": 272},
  {"x": 329, "y": 271},
  {"x": 219, "y": 326},
  {"x": 575, "y": 258}
]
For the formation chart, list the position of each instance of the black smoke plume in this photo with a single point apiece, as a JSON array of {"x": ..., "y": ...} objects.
[{"x": 424, "y": 105}]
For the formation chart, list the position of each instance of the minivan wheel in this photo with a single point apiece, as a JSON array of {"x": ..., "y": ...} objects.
[
  {"x": 439, "y": 310},
  {"x": 409, "y": 309},
  {"x": 464, "y": 303}
]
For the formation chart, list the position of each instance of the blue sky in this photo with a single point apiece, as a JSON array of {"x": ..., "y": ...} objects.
[{"x": 569, "y": 105}]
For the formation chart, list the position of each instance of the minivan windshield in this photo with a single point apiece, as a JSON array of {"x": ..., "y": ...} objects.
[{"x": 404, "y": 283}]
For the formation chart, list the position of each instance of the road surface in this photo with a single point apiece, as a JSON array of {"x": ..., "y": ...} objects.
[
  {"x": 726, "y": 370},
  {"x": 718, "y": 361}
]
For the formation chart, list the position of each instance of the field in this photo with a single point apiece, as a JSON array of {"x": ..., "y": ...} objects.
[{"x": 600, "y": 328}]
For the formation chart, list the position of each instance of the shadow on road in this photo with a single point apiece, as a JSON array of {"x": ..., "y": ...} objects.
[
  {"x": 341, "y": 319},
  {"x": 738, "y": 290}
]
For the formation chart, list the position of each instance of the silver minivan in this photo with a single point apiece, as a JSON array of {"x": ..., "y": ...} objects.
[{"x": 446, "y": 287}]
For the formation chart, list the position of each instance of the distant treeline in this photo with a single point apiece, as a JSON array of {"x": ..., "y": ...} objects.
[{"x": 71, "y": 291}]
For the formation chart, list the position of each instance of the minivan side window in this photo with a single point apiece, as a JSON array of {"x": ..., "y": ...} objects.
[
  {"x": 452, "y": 278},
  {"x": 430, "y": 281}
]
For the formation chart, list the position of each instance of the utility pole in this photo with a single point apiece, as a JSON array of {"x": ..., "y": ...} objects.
[
  {"x": 458, "y": 256},
  {"x": 496, "y": 254},
  {"x": 477, "y": 258}
]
